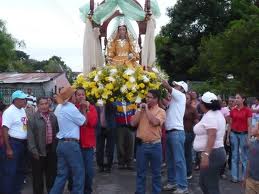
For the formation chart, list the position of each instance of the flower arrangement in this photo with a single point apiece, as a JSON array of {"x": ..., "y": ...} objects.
[{"x": 111, "y": 83}]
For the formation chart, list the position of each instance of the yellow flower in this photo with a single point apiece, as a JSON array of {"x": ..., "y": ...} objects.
[
  {"x": 111, "y": 99},
  {"x": 142, "y": 91},
  {"x": 104, "y": 96},
  {"x": 157, "y": 86},
  {"x": 140, "y": 77},
  {"x": 125, "y": 76},
  {"x": 85, "y": 85},
  {"x": 141, "y": 85},
  {"x": 92, "y": 84},
  {"x": 109, "y": 86},
  {"x": 92, "y": 74},
  {"x": 141, "y": 96},
  {"x": 129, "y": 85},
  {"x": 129, "y": 96},
  {"x": 152, "y": 75},
  {"x": 151, "y": 85},
  {"x": 97, "y": 95}
]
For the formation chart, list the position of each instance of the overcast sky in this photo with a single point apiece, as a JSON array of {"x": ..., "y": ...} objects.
[{"x": 53, "y": 27}]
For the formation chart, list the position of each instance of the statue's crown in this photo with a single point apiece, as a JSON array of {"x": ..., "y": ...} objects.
[{"x": 122, "y": 22}]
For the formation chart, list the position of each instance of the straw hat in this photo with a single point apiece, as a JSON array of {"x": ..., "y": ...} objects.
[{"x": 64, "y": 94}]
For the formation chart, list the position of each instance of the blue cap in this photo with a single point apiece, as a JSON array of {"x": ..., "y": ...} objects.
[{"x": 18, "y": 94}]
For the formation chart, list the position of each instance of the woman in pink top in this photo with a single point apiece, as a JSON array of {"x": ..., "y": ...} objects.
[{"x": 209, "y": 141}]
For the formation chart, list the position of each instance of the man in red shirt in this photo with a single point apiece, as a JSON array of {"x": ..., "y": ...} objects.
[
  {"x": 87, "y": 137},
  {"x": 239, "y": 132}
]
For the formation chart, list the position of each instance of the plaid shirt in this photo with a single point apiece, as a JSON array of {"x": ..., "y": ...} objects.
[{"x": 49, "y": 133}]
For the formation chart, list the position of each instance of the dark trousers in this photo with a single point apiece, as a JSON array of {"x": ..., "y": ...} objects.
[
  {"x": 13, "y": 170},
  {"x": 228, "y": 152},
  {"x": 209, "y": 177},
  {"x": 45, "y": 166},
  {"x": 105, "y": 144},
  {"x": 125, "y": 145},
  {"x": 189, "y": 137}
]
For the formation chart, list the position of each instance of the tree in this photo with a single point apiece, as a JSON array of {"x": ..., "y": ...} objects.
[
  {"x": 190, "y": 20},
  {"x": 20, "y": 55},
  {"x": 55, "y": 64},
  {"x": 7, "y": 46},
  {"x": 234, "y": 52}
]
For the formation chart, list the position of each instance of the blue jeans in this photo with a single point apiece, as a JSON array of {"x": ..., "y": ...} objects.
[
  {"x": 239, "y": 142},
  {"x": 88, "y": 156},
  {"x": 175, "y": 159},
  {"x": 13, "y": 170},
  {"x": 69, "y": 160},
  {"x": 148, "y": 153}
]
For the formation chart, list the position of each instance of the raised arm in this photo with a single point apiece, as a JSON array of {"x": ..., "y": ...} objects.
[{"x": 167, "y": 86}]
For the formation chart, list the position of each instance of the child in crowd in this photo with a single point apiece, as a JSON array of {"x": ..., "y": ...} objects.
[{"x": 252, "y": 178}]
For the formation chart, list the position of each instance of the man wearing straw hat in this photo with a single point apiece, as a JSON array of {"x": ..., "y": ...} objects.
[{"x": 69, "y": 155}]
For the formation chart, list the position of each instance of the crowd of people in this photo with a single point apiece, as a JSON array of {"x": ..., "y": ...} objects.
[{"x": 60, "y": 138}]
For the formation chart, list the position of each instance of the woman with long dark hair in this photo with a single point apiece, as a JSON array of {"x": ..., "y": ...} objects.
[
  {"x": 209, "y": 142},
  {"x": 191, "y": 117},
  {"x": 239, "y": 132}
]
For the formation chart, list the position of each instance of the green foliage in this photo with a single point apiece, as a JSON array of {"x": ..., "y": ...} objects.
[
  {"x": 233, "y": 52},
  {"x": 55, "y": 64},
  {"x": 227, "y": 87},
  {"x": 243, "y": 9},
  {"x": 178, "y": 41},
  {"x": 7, "y": 45},
  {"x": 207, "y": 40}
]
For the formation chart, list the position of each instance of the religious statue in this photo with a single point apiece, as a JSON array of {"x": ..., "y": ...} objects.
[{"x": 121, "y": 48}]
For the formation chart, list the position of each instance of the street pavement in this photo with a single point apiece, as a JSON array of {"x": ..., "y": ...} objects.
[{"x": 123, "y": 182}]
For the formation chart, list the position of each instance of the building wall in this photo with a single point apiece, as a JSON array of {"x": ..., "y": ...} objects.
[{"x": 38, "y": 89}]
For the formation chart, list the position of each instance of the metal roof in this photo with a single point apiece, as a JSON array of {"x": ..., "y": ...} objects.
[{"x": 27, "y": 77}]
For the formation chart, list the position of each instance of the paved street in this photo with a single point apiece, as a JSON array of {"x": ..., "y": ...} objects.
[{"x": 123, "y": 182}]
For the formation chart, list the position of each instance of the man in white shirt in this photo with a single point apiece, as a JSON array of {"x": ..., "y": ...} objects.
[
  {"x": 175, "y": 138},
  {"x": 14, "y": 128}
]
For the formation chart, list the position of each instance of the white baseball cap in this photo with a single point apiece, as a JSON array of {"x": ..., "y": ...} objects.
[
  {"x": 208, "y": 97},
  {"x": 182, "y": 84}
]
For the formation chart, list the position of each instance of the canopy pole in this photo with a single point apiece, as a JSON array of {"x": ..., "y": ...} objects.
[
  {"x": 91, "y": 7},
  {"x": 148, "y": 7}
]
